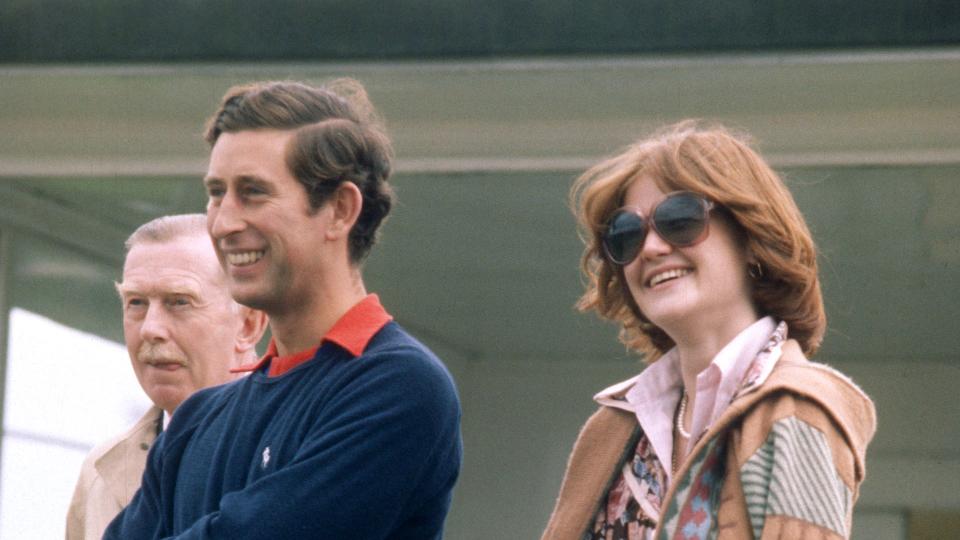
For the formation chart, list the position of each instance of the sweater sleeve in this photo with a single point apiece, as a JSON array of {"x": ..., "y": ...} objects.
[
  {"x": 799, "y": 481},
  {"x": 380, "y": 461}
]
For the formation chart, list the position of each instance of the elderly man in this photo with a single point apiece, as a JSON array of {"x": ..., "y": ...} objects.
[
  {"x": 183, "y": 332},
  {"x": 348, "y": 427}
]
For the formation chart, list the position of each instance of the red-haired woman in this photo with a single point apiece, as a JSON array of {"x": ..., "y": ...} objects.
[{"x": 697, "y": 249}]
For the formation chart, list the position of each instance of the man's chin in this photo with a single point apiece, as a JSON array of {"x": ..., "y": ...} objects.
[
  {"x": 251, "y": 299},
  {"x": 167, "y": 397}
]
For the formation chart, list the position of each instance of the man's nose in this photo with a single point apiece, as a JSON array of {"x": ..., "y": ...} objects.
[
  {"x": 224, "y": 217},
  {"x": 154, "y": 327}
]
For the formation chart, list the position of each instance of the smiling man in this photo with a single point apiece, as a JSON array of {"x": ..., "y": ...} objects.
[
  {"x": 183, "y": 332},
  {"x": 348, "y": 427}
]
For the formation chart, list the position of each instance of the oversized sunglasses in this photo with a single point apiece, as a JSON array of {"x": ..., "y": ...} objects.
[{"x": 681, "y": 219}]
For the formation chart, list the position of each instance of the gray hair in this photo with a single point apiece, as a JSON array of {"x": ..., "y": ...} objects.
[{"x": 168, "y": 228}]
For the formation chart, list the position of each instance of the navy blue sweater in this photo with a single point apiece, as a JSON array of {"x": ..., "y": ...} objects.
[{"x": 338, "y": 447}]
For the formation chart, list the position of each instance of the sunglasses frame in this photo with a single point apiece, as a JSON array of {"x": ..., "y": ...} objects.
[{"x": 650, "y": 224}]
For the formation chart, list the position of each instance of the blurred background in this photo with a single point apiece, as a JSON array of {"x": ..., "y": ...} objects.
[{"x": 494, "y": 108}]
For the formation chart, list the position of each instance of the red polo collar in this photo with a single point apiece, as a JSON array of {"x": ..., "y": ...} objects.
[{"x": 352, "y": 332}]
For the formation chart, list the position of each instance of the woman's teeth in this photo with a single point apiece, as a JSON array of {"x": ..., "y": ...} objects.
[{"x": 669, "y": 274}]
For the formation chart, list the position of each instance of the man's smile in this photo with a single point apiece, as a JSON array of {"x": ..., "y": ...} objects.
[{"x": 245, "y": 258}]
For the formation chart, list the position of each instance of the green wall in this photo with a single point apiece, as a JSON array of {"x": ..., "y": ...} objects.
[{"x": 124, "y": 30}]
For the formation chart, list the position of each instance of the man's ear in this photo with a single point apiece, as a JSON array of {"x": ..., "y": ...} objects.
[
  {"x": 345, "y": 204},
  {"x": 254, "y": 324}
]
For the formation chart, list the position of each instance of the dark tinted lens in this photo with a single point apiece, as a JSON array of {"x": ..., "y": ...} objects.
[
  {"x": 680, "y": 219},
  {"x": 624, "y": 237}
]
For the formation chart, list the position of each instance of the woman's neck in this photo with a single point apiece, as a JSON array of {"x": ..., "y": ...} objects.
[{"x": 699, "y": 344}]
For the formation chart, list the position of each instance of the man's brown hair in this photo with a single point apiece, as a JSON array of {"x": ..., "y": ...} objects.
[{"x": 338, "y": 138}]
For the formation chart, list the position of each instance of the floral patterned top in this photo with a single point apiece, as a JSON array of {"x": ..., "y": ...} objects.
[{"x": 623, "y": 517}]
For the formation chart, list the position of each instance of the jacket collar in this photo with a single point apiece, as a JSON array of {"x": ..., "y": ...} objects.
[{"x": 121, "y": 465}]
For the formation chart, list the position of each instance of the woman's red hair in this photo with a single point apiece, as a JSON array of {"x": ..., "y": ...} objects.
[{"x": 721, "y": 166}]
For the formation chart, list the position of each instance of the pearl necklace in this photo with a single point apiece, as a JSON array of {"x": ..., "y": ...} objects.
[
  {"x": 678, "y": 425},
  {"x": 680, "y": 414}
]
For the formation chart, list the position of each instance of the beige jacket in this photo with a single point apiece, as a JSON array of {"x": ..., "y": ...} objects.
[
  {"x": 109, "y": 477},
  {"x": 789, "y": 452}
]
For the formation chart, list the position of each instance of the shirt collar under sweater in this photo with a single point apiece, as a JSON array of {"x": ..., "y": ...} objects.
[
  {"x": 654, "y": 394},
  {"x": 352, "y": 332}
]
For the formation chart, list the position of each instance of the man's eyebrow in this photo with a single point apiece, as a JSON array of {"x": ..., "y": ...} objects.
[
  {"x": 177, "y": 290},
  {"x": 244, "y": 178},
  {"x": 120, "y": 288},
  {"x": 181, "y": 291},
  {"x": 252, "y": 178}
]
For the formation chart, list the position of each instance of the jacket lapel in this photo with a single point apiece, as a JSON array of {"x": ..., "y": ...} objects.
[
  {"x": 122, "y": 466},
  {"x": 606, "y": 439}
]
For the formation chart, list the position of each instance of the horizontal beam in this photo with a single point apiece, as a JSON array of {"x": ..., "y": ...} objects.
[
  {"x": 79, "y": 168},
  {"x": 27, "y": 212},
  {"x": 542, "y": 114}
]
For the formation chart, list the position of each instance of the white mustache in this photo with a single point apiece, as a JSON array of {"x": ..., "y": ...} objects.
[{"x": 153, "y": 354}]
